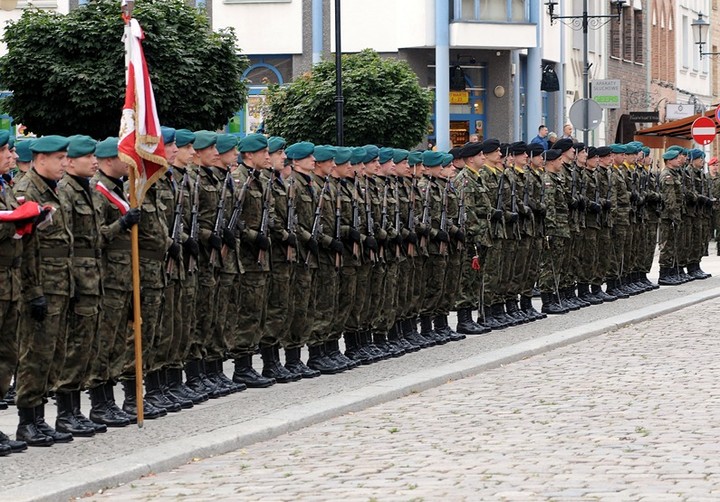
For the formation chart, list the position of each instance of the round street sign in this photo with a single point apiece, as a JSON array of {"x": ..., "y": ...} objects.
[
  {"x": 703, "y": 130},
  {"x": 577, "y": 114}
]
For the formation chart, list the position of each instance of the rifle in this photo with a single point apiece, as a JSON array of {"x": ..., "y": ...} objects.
[
  {"x": 425, "y": 221},
  {"x": 370, "y": 221},
  {"x": 317, "y": 227},
  {"x": 411, "y": 216},
  {"x": 398, "y": 223},
  {"x": 443, "y": 218},
  {"x": 462, "y": 212},
  {"x": 513, "y": 206},
  {"x": 194, "y": 227},
  {"x": 383, "y": 219},
  {"x": 291, "y": 218},
  {"x": 264, "y": 221},
  {"x": 573, "y": 193},
  {"x": 597, "y": 198},
  {"x": 355, "y": 215},
  {"x": 177, "y": 222},
  {"x": 220, "y": 219},
  {"x": 499, "y": 202},
  {"x": 237, "y": 213},
  {"x": 542, "y": 201},
  {"x": 338, "y": 236}
]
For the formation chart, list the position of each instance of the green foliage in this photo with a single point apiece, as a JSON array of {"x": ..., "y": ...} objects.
[
  {"x": 384, "y": 104},
  {"x": 67, "y": 72}
]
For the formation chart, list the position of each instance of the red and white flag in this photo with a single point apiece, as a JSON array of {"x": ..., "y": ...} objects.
[
  {"x": 141, "y": 144},
  {"x": 27, "y": 217}
]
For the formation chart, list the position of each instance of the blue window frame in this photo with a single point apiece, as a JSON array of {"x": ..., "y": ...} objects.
[{"x": 499, "y": 11}]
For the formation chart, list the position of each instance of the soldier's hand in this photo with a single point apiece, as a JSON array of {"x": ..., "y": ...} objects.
[
  {"x": 241, "y": 226},
  {"x": 228, "y": 238},
  {"x": 424, "y": 230},
  {"x": 132, "y": 217},
  {"x": 496, "y": 215},
  {"x": 371, "y": 243},
  {"x": 581, "y": 203},
  {"x": 523, "y": 209},
  {"x": 191, "y": 247},
  {"x": 174, "y": 251},
  {"x": 542, "y": 210},
  {"x": 634, "y": 196},
  {"x": 336, "y": 246},
  {"x": 381, "y": 235},
  {"x": 442, "y": 236},
  {"x": 459, "y": 236},
  {"x": 595, "y": 208},
  {"x": 511, "y": 217},
  {"x": 397, "y": 240},
  {"x": 641, "y": 201},
  {"x": 215, "y": 242},
  {"x": 262, "y": 241},
  {"x": 573, "y": 203},
  {"x": 38, "y": 308},
  {"x": 355, "y": 235},
  {"x": 607, "y": 205},
  {"x": 312, "y": 245},
  {"x": 709, "y": 202},
  {"x": 291, "y": 241},
  {"x": 690, "y": 198},
  {"x": 412, "y": 238}
]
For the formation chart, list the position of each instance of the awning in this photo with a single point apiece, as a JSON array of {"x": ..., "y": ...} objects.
[{"x": 675, "y": 132}]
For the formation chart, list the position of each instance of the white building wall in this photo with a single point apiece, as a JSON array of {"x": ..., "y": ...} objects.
[
  {"x": 263, "y": 28},
  {"x": 61, "y": 6},
  {"x": 692, "y": 74}
]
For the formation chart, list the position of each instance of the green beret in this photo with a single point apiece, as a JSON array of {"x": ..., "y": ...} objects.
[
  {"x": 432, "y": 159},
  {"x": 415, "y": 158},
  {"x": 80, "y": 146},
  {"x": 323, "y": 153},
  {"x": 358, "y": 155},
  {"x": 646, "y": 150},
  {"x": 696, "y": 153},
  {"x": 204, "y": 139},
  {"x": 399, "y": 155},
  {"x": 631, "y": 149},
  {"x": 4, "y": 137},
  {"x": 253, "y": 143},
  {"x": 226, "y": 142},
  {"x": 22, "y": 149},
  {"x": 276, "y": 143},
  {"x": 447, "y": 159},
  {"x": 300, "y": 150},
  {"x": 168, "y": 134},
  {"x": 184, "y": 137},
  {"x": 618, "y": 148},
  {"x": 670, "y": 154},
  {"x": 11, "y": 142},
  {"x": 107, "y": 148},
  {"x": 343, "y": 155},
  {"x": 385, "y": 154},
  {"x": 371, "y": 153},
  {"x": 50, "y": 144}
]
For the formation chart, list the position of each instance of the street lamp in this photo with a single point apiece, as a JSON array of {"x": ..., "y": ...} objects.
[
  {"x": 700, "y": 32},
  {"x": 584, "y": 22},
  {"x": 339, "y": 99}
]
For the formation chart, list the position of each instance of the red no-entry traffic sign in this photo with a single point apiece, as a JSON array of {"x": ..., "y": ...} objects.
[{"x": 703, "y": 130}]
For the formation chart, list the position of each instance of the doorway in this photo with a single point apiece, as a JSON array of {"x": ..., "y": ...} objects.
[{"x": 459, "y": 132}]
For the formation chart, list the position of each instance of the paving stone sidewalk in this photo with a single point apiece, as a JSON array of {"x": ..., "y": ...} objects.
[{"x": 629, "y": 415}]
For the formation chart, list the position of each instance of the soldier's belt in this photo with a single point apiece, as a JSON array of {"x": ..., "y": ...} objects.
[
  {"x": 55, "y": 253},
  {"x": 118, "y": 246},
  {"x": 10, "y": 262},
  {"x": 149, "y": 254},
  {"x": 86, "y": 253}
]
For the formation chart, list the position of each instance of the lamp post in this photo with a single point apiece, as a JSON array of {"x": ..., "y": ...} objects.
[
  {"x": 700, "y": 32},
  {"x": 339, "y": 99},
  {"x": 584, "y": 22}
]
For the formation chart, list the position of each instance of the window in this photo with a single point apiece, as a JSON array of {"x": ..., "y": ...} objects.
[
  {"x": 639, "y": 56},
  {"x": 488, "y": 10},
  {"x": 685, "y": 43},
  {"x": 627, "y": 27},
  {"x": 615, "y": 39}
]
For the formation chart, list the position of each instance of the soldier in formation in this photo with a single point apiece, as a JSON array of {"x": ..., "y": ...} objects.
[{"x": 256, "y": 246}]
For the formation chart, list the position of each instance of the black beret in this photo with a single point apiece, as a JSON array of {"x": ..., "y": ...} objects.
[
  {"x": 518, "y": 148},
  {"x": 470, "y": 150},
  {"x": 552, "y": 154},
  {"x": 563, "y": 145},
  {"x": 603, "y": 151},
  {"x": 535, "y": 149},
  {"x": 579, "y": 146},
  {"x": 504, "y": 149},
  {"x": 592, "y": 152},
  {"x": 455, "y": 152},
  {"x": 490, "y": 145}
]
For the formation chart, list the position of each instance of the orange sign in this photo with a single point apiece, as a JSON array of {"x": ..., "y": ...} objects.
[{"x": 459, "y": 97}]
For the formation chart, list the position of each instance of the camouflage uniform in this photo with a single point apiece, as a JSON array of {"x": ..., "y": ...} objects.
[
  {"x": 670, "y": 218},
  {"x": 557, "y": 231}
]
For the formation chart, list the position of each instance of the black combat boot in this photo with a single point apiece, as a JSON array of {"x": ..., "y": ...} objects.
[
  {"x": 206, "y": 369},
  {"x": 498, "y": 310},
  {"x": 184, "y": 402},
  {"x": 28, "y": 431},
  {"x": 411, "y": 336},
  {"x": 629, "y": 287},
  {"x": 245, "y": 373},
  {"x": 585, "y": 295},
  {"x": 644, "y": 279},
  {"x": 486, "y": 317},
  {"x": 667, "y": 278},
  {"x": 551, "y": 304},
  {"x": 527, "y": 306},
  {"x": 272, "y": 367},
  {"x": 467, "y": 326},
  {"x": 101, "y": 412},
  {"x": 222, "y": 380},
  {"x": 66, "y": 420},
  {"x": 613, "y": 288},
  {"x": 396, "y": 335},
  {"x": 178, "y": 388},
  {"x": 154, "y": 394},
  {"x": 381, "y": 342},
  {"x": 570, "y": 300},
  {"x": 129, "y": 406},
  {"x": 193, "y": 373},
  {"x": 14, "y": 446},
  {"x": 441, "y": 326},
  {"x": 77, "y": 413},
  {"x": 354, "y": 351},
  {"x": 695, "y": 272},
  {"x": 597, "y": 290},
  {"x": 512, "y": 310},
  {"x": 426, "y": 330},
  {"x": 294, "y": 364},
  {"x": 332, "y": 350},
  {"x": 319, "y": 361},
  {"x": 110, "y": 396}
]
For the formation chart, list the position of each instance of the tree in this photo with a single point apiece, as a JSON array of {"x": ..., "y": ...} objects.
[
  {"x": 384, "y": 104},
  {"x": 67, "y": 72}
]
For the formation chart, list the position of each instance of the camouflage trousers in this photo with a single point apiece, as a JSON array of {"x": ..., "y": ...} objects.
[
  {"x": 225, "y": 319},
  {"x": 531, "y": 271},
  {"x": 588, "y": 251},
  {"x": 151, "y": 308},
  {"x": 549, "y": 275},
  {"x": 326, "y": 287},
  {"x": 417, "y": 288},
  {"x": 648, "y": 250},
  {"x": 205, "y": 309},
  {"x": 404, "y": 293},
  {"x": 251, "y": 318},
  {"x": 471, "y": 281},
  {"x": 110, "y": 344},
  {"x": 347, "y": 289},
  {"x": 167, "y": 340},
  {"x": 434, "y": 274},
  {"x": 375, "y": 295},
  {"x": 618, "y": 242},
  {"x": 83, "y": 320},
  {"x": 303, "y": 299},
  {"x": 280, "y": 304},
  {"x": 187, "y": 346},
  {"x": 605, "y": 256},
  {"x": 389, "y": 301},
  {"x": 41, "y": 353},
  {"x": 668, "y": 242},
  {"x": 492, "y": 283},
  {"x": 451, "y": 282},
  {"x": 9, "y": 318},
  {"x": 513, "y": 262},
  {"x": 354, "y": 320},
  {"x": 684, "y": 244}
]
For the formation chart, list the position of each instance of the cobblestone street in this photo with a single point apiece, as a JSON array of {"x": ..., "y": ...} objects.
[{"x": 629, "y": 415}]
